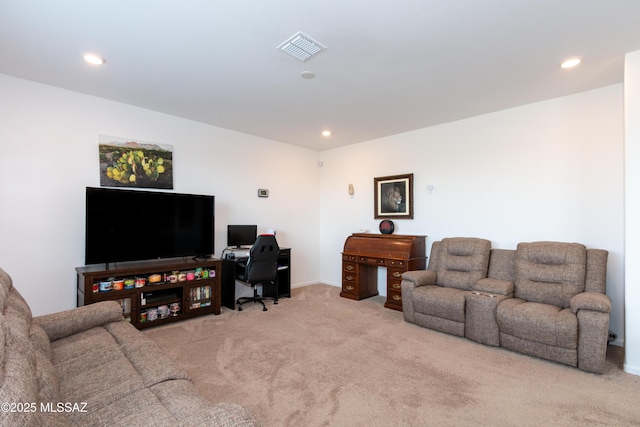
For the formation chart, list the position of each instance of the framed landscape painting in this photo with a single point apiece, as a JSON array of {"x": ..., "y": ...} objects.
[
  {"x": 393, "y": 197},
  {"x": 131, "y": 163}
]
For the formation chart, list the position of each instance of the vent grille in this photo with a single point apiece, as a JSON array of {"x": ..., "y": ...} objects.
[{"x": 301, "y": 46}]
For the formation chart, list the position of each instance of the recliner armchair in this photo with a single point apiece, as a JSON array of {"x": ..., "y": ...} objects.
[
  {"x": 559, "y": 310},
  {"x": 261, "y": 268},
  {"x": 435, "y": 298}
]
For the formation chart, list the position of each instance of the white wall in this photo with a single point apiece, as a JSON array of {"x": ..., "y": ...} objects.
[
  {"x": 49, "y": 154},
  {"x": 545, "y": 171},
  {"x": 632, "y": 211}
]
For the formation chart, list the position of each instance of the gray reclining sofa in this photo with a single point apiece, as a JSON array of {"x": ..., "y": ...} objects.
[{"x": 544, "y": 299}]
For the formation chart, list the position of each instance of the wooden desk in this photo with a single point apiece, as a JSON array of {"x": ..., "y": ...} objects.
[
  {"x": 364, "y": 253},
  {"x": 282, "y": 287}
]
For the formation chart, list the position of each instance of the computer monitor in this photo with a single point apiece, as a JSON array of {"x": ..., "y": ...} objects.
[{"x": 241, "y": 235}]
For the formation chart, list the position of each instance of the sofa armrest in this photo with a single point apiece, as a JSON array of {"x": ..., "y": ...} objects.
[
  {"x": 494, "y": 286},
  {"x": 420, "y": 277},
  {"x": 69, "y": 322},
  {"x": 591, "y": 301}
]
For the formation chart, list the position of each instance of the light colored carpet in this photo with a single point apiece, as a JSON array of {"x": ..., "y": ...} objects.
[{"x": 320, "y": 360}]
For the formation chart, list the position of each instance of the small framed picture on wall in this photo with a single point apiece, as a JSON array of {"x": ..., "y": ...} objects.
[{"x": 393, "y": 197}]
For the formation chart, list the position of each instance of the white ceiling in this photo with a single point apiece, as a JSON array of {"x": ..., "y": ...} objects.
[{"x": 390, "y": 66}]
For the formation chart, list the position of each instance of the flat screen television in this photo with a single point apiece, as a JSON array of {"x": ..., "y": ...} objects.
[
  {"x": 132, "y": 225},
  {"x": 241, "y": 235}
]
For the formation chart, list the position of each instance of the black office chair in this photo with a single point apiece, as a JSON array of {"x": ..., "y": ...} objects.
[{"x": 260, "y": 268}]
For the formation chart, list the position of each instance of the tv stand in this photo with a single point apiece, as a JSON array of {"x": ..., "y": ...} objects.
[{"x": 192, "y": 292}]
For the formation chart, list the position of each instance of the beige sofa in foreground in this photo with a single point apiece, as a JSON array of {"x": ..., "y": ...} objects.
[
  {"x": 545, "y": 299},
  {"x": 88, "y": 367}
]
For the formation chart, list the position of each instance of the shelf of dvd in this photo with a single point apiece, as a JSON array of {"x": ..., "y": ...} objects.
[{"x": 154, "y": 292}]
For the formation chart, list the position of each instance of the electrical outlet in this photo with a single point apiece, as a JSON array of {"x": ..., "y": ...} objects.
[{"x": 612, "y": 336}]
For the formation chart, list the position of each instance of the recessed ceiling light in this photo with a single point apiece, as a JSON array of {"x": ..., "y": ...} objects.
[
  {"x": 307, "y": 75},
  {"x": 570, "y": 63},
  {"x": 326, "y": 133},
  {"x": 94, "y": 59}
]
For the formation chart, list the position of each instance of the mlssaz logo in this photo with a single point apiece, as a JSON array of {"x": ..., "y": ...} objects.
[{"x": 66, "y": 407}]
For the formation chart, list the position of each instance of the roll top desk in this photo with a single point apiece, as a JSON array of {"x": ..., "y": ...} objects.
[{"x": 364, "y": 253}]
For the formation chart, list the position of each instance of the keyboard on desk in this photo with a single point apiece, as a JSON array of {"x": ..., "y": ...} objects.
[{"x": 236, "y": 254}]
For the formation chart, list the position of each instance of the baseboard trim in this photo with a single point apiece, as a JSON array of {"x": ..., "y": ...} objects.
[{"x": 633, "y": 370}]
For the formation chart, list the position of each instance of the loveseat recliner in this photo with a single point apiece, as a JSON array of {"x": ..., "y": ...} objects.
[
  {"x": 435, "y": 298},
  {"x": 545, "y": 299}
]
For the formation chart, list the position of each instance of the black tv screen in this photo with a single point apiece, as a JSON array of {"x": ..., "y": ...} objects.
[
  {"x": 241, "y": 235},
  {"x": 130, "y": 225}
]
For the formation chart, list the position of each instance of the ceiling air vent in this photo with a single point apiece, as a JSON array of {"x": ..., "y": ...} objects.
[{"x": 301, "y": 46}]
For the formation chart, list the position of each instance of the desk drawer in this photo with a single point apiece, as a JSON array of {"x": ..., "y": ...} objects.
[
  {"x": 349, "y": 287},
  {"x": 351, "y": 277},
  {"x": 394, "y": 274},
  {"x": 350, "y": 283},
  {"x": 394, "y": 286},
  {"x": 394, "y": 278},
  {"x": 347, "y": 257},
  {"x": 349, "y": 267},
  {"x": 397, "y": 263},
  {"x": 394, "y": 300}
]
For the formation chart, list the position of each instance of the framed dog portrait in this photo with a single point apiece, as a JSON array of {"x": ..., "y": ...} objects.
[{"x": 393, "y": 197}]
